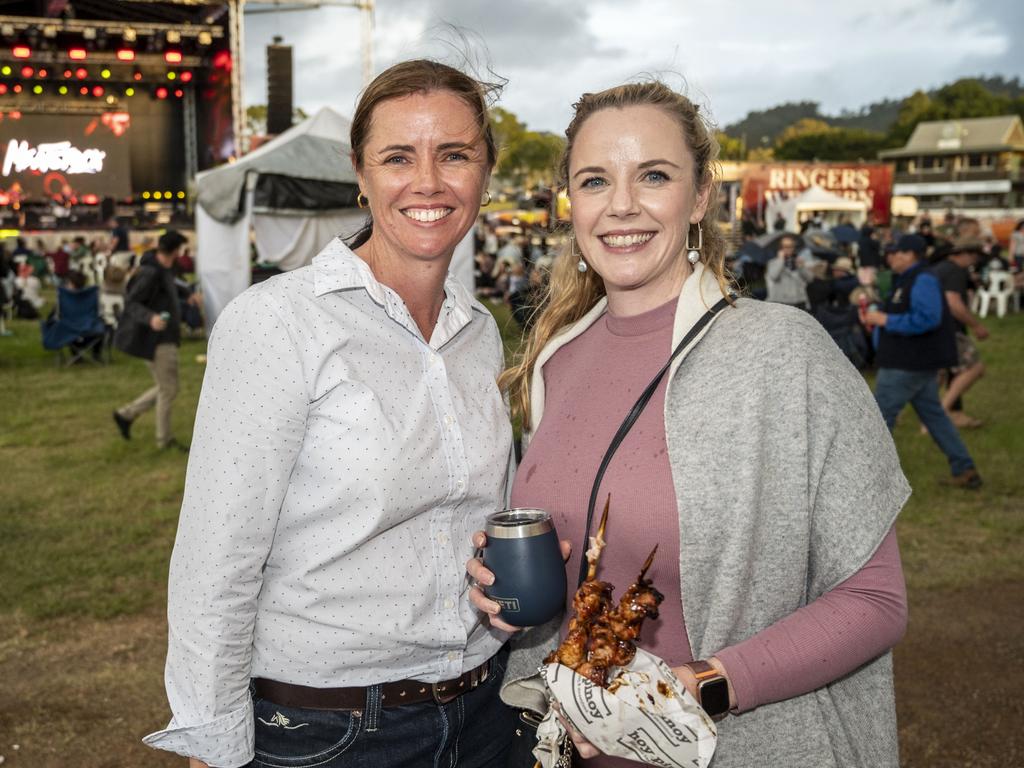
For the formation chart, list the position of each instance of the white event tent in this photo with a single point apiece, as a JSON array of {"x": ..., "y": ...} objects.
[
  {"x": 816, "y": 199},
  {"x": 288, "y": 199}
]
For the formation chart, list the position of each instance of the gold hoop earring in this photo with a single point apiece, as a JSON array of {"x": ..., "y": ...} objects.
[
  {"x": 694, "y": 250},
  {"x": 362, "y": 200},
  {"x": 486, "y": 200}
]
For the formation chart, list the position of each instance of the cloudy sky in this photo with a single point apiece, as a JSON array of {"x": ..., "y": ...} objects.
[{"x": 732, "y": 55}]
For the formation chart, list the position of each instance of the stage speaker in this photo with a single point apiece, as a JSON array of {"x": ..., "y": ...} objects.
[{"x": 279, "y": 87}]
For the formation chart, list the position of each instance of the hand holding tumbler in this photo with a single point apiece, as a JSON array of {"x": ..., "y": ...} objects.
[{"x": 529, "y": 574}]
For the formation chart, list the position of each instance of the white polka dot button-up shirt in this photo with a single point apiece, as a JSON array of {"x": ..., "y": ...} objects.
[{"x": 339, "y": 466}]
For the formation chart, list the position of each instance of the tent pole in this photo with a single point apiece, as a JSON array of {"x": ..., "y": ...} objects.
[{"x": 236, "y": 11}]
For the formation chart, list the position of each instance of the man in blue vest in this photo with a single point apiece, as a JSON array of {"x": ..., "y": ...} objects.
[{"x": 916, "y": 337}]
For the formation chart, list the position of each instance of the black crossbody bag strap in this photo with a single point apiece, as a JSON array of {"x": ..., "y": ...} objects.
[{"x": 630, "y": 420}]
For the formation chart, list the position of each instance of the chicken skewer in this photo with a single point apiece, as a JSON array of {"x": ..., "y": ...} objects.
[
  {"x": 614, "y": 634},
  {"x": 600, "y": 636},
  {"x": 590, "y": 601}
]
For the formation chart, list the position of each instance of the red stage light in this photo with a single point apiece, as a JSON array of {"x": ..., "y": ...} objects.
[
  {"x": 84, "y": 90},
  {"x": 42, "y": 73},
  {"x": 27, "y": 71},
  {"x": 172, "y": 57},
  {"x": 186, "y": 77},
  {"x": 17, "y": 88},
  {"x": 125, "y": 54},
  {"x": 90, "y": 199},
  {"x": 222, "y": 60},
  {"x": 161, "y": 93},
  {"x": 179, "y": 93},
  {"x": 77, "y": 54},
  {"x": 21, "y": 51},
  {"x": 3, "y": 88},
  {"x": 136, "y": 75},
  {"x": 81, "y": 73},
  {"x": 97, "y": 91},
  {"x": 68, "y": 73}
]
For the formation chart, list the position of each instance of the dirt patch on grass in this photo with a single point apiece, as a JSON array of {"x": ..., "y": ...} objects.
[
  {"x": 959, "y": 678},
  {"x": 84, "y": 693}
]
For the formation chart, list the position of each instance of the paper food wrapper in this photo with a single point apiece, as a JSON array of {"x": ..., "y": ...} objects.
[{"x": 646, "y": 714}]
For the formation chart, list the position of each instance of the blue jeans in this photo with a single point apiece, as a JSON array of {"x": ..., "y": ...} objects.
[
  {"x": 473, "y": 731},
  {"x": 894, "y": 388}
]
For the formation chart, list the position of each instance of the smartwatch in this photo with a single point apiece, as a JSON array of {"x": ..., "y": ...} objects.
[{"x": 712, "y": 689}]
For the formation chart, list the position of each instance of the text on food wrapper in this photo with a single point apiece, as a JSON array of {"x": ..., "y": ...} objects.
[{"x": 56, "y": 156}]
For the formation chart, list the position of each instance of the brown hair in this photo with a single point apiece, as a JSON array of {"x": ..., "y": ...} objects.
[
  {"x": 571, "y": 293},
  {"x": 423, "y": 76}
]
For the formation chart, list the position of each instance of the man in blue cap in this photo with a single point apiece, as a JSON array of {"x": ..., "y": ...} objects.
[{"x": 915, "y": 337}]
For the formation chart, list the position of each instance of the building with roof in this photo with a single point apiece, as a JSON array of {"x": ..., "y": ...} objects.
[{"x": 974, "y": 163}]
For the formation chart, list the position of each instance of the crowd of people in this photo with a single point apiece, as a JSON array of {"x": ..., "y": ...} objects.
[{"x": 848, "y": 285}]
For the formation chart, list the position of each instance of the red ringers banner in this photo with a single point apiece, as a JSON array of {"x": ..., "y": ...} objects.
[{"x": 868, "y": 182}]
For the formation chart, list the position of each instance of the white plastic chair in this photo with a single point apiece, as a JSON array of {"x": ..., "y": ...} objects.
[
  {"x": 99, "y": 263},
  {"x": 999, "y": 289}
]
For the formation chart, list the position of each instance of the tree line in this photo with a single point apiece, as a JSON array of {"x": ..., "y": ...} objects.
[{"x": 798, "y": 131}]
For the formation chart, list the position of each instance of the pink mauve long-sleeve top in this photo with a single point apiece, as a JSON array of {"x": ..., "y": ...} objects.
[{"x": 590, "y": 385}]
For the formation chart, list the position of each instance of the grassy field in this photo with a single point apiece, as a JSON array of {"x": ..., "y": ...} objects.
[{"x": 87, "y": 523}]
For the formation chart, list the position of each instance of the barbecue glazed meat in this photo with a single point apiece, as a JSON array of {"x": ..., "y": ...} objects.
[
  {"x": 613, "y": 635},
  {"x": 591, "y": 600},
  {"x": 601, "y": 636}
]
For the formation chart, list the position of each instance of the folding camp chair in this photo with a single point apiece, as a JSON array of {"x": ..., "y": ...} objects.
[{"x": 74, "y": 329}]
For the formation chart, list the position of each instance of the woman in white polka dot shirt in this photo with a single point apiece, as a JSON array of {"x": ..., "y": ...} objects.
[{"x": 350, "y": 437}]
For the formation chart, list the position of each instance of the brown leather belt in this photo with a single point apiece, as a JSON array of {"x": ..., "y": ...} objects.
[{"x": 391, "y": 694}]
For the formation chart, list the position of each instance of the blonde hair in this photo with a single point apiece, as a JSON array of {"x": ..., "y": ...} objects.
[{"x": 570, "y": 293}]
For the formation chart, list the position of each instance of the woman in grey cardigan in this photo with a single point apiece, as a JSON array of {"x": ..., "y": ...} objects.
[{"x": 761, "y": 466}]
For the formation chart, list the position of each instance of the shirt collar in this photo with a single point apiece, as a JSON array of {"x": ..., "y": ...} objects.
[{"x": 337, "y": 268}]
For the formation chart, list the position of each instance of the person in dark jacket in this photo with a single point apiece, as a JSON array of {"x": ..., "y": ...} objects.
[
  {"x": 150, "y": 328},
  {"x": 915, "y": 337}
]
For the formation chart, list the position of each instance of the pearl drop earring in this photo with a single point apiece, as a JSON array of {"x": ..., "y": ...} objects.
[
  {"x": 694, "y": 250},
  {"x": 581, "y": 265}
]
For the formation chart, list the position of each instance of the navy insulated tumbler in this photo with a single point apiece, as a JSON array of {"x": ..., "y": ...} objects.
[{"x": 529, "y": 575}]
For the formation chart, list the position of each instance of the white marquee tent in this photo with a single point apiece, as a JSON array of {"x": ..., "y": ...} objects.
[
  {"x": 288, "y": 198},
  {"x": 816, "y": 199}
]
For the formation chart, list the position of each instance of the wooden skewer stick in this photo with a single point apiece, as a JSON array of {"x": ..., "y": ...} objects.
[
  {"x": 597, "y": 543},
  {"x": 647, "y": 563}
]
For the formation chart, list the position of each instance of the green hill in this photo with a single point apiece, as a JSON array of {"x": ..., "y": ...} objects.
[{"x": 763, "y": 127}]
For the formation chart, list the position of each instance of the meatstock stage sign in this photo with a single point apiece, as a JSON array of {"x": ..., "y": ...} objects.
[
  {"x": 868, "y": 182},
  {"x": 67, "y": 158}
]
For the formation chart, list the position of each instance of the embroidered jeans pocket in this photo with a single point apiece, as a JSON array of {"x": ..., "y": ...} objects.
[{"x": 289, "y": 737}]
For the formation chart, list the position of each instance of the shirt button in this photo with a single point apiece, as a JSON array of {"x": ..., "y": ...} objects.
[
  {"x": 442, "y": 538},
  {"x": 460, "y": 484},
  {"x": 453, "y": 656},
  {"x": 449, "y": 603},
  {"x": 449, "y": 420}
]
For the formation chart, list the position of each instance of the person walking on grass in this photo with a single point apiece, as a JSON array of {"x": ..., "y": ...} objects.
[
  {"x": 915, "y": 339},
  {"x": 955, "y": 279},
  {"x": 150, "y": 328}
]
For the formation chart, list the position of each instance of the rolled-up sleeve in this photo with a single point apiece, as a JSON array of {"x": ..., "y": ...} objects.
[{"x": 249, "y": 428}]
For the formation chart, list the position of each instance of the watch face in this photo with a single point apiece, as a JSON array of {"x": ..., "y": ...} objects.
[{"x": 714, "y": 696}]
